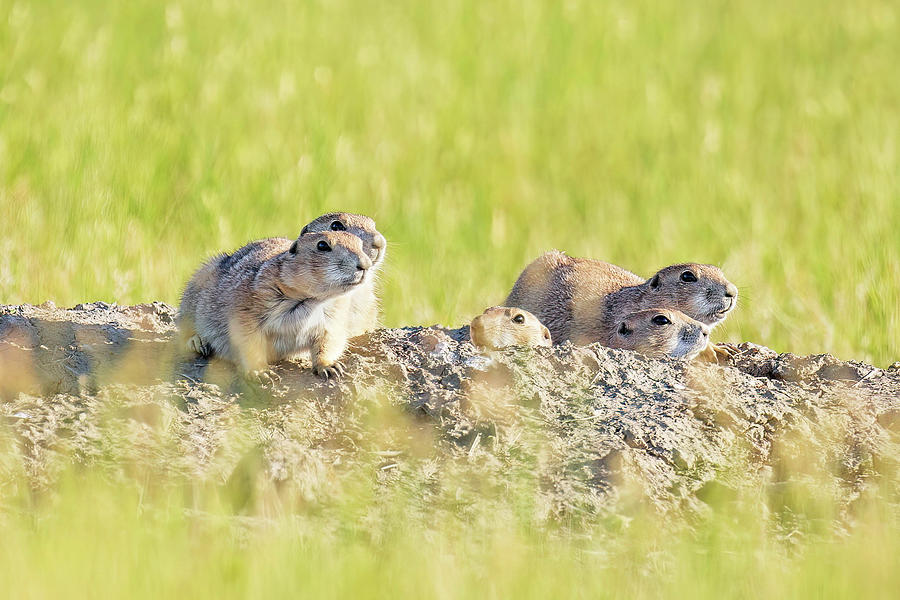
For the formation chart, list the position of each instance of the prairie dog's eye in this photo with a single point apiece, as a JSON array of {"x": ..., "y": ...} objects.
[
  {"x": 519, "y": 318},
  {"x": 661, "y": 320},
  {"x": 338, "y": 226},
  {"x": 323, "y": 246},
  {"x": 688, "y": 277},
  {"x": 623, "y": 329}
]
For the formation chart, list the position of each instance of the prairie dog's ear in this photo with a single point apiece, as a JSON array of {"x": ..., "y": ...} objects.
[
  {"x": 546, "y": 333},
  {"x": 654, "y": 283},
  {"x": 304, "y": 230},
  {"x": 293, "y": 249},
  {"x": 624, "y": 330}
]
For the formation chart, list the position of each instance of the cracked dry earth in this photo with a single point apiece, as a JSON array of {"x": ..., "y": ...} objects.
[{"x": 597, "y": 430}]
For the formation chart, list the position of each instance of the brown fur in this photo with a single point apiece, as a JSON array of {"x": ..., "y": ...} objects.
[
  {"x": 364, "y": 307},
  {"x": 274, "y": 299},
  {"x": 500, "y": 326},
  {"x": 579, "y": 299},
  {"x": 659, "y": 332}
]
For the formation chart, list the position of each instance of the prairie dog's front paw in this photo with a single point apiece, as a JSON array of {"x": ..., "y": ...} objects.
[
  {"x": 198, "y": 346},
  {"x": 333, "y": 370},
  {"x": 264, "y": 377},
  {"x": 726, "y": 350},
  {"x": 718, "y": 353}
]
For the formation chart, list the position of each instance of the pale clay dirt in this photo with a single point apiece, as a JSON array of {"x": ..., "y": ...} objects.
[{"x": 598, "y": 430}]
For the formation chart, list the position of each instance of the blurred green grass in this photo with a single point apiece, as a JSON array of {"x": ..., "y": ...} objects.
[
  {"x": 137, "y": 138},
  {"x": 90, "y": 537}
]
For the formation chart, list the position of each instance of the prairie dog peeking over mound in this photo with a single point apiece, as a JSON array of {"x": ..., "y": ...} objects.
[
  {"x": 500, "y": 327},
  {"x": 364, "y": 308},
  {"x": 274, "y": 299},
  {"x": 581, "y": 299},
  {"x": 659, "y": 332}
]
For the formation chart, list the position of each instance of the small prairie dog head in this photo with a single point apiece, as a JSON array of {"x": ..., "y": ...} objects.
[
  {"x": 363, "y": 227},
  {"x": 320, "y": 265},
  {"x": 699, "y": 291},
  {"x": 660, "y": 332},
  {"x": 499, "y": 327}
]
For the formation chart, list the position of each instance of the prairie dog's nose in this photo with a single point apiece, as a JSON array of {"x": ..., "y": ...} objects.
[
  {"x": 378, "y": 241},
  {"x": 731, "y": 291},
  {"x": 688, "y": 332}
]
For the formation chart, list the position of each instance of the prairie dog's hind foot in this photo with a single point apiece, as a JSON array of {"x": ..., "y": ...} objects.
[
  {"x": 263, "y": 377},
  {"x": 198, "y": 346}
]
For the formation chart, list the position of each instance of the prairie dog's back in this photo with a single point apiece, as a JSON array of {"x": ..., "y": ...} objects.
[
  {"x": 225, "y": 271},
  {"x": 258, "y": 250},
  {"x": 558, "y": 288},
  {"x": 207, "y": 278},
  {"x": 209, "y": 274},
  {"x": 228, "y": 283}
]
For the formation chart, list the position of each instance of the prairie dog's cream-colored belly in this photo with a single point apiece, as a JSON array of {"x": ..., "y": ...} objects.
[{"x": 294, "y": 331}]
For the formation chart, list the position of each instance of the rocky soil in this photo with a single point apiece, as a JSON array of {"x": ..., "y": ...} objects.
[{"x": 596, "y": 430}]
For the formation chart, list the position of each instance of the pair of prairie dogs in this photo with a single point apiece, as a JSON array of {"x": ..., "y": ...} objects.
[
  {"x": 559, "y": 297},
  {"x": 277, "y": 298}
]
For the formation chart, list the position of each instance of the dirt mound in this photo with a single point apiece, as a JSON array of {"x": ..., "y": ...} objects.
[{"x": 597, "y": 429}]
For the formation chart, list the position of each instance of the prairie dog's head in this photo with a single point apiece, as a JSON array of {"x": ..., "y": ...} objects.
[
  {"x": 363, "y": 227},
  {"x": 700, "y": 291},
  {"x": 660, "y": 332},
  {"x": 500, "y": 326},
  {"x": 319, "y": 265}
]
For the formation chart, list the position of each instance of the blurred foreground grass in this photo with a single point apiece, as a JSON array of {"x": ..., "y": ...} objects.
[
  {"x": 137, "y": 138},
  {"x": 143, "y": 536},
  {"x": 114, "y": 550}
]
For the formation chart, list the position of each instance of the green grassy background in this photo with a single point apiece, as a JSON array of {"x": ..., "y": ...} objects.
[{"x": 136, "y": 138}]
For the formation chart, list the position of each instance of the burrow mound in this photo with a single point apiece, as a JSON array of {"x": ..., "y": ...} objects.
[{"x": 597, "y": 429}]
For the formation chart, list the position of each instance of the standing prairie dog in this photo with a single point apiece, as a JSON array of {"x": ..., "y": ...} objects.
[
  {"x": 274, "y": 299},
  {"x": 659, "y": 332},
  {"x": 501, "y": 326},
  {"x": 363, "y": 313},
  {"x": 580, "y": 299}
]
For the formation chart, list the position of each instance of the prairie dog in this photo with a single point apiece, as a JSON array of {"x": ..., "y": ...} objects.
[
  {"x": 274, "y": 299},
  {"x": 659, "y": 332},
  {"x": 579, "y": 299},
  {"x": 501, "y": 326},
  {"x": 364, "y": 308}
]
